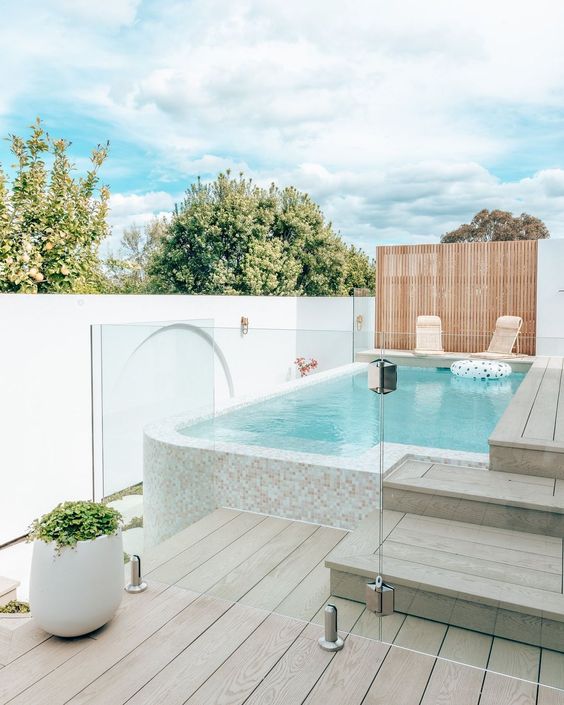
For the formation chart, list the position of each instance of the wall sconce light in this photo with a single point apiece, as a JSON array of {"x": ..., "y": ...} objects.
[
  {"x": 244, "y": 325},
  {"x": 359, "y": 321}
]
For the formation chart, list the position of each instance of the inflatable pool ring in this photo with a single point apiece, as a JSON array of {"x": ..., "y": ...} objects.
[{"x": 480, "y": 369}]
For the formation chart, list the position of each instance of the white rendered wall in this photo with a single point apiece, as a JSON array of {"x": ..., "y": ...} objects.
[
  {"x": 45, "y": 376},
  {"x": 550, "y": 297}
]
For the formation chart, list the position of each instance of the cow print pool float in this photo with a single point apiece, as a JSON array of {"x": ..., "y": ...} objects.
[{"x": 480, "y": 369}]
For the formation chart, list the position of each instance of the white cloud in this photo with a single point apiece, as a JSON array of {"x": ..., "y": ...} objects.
[{"x": 393, "y": 115}]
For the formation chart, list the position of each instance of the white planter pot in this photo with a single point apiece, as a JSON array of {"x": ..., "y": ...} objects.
[{"x": 80, "y": 589}]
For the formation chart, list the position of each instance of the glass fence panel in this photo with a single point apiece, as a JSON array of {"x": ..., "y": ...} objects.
[
  {"x": 273, "y": 486},
  {"x": 148, "y": 373}
]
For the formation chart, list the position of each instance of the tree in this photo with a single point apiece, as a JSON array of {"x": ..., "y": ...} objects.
[
  {"x": 233, "y": 237},
  {"x": 492, "y": 226},
  {"x": 127, "y": 273},
  {"x": 51, "y": 224}
]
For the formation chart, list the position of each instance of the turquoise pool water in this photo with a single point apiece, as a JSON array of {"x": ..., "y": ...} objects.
[{"x": 340, "y": 417}]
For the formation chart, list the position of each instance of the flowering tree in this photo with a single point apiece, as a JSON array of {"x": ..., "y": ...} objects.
[{"x": 51, "y": 223}]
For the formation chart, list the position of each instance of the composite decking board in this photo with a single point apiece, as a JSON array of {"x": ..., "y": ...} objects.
[
  {"x": 15, "y": 643},
  {"x": 349, "y": 676},
  {"x": 277, "y": 584},
  {"x": 368, "y": 626},
  {"x": 171, "y": 547},
  {"x": 542, "y": 418},
  {"x": 239, "y": 581},
  {"x": 207, "y": 547},
  {"x": 124, "y": 679},
  {"x": 295, "y": 674},
  {"x": 489, "y": 490},
  {"x": 463, "y": 563},
  {"x": 365, "y": 538},
  {"x": 510, "y": 658},
  {"x": 486, "y": 535},
  {"x": 466, "y": 647},
  {"x": 207, "y": 574},
  {"x": 549, "y": 696},
  {"x": 122, "y": 636},
  {"x": 307, "y": 598},
  {"x": 465, "y": 586},
  {"x": 422, "y": 635},
  {"x": 514, "y": 419},
  {"x": 453, "y": 684},
  {"x": 190, "y": 669},
  {"x": 552, "y": 668},
  {"x": 501, "y": 556},
  {"x": 559, "y": 423},
  {"x": 244, "y": 670},
  {"x": 504, "y": 690},
  {"x": 491, "y": 478},
  {"x": 34, "y": 665},
  {"x": 401, "y": 679}
]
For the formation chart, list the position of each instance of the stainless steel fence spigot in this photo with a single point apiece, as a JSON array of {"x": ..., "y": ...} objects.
[
  {"x": 331, "y": 641},
  {"x": 137, "y": 583}
]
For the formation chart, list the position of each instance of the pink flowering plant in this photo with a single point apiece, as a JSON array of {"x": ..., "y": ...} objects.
[{"x": 305, "y": 366}]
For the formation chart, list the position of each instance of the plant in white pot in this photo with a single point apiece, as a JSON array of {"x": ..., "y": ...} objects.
[{"x": 77, "y": 568}]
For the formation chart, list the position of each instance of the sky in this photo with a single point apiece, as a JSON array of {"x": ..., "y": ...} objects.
[{"x": 401, "y": 119}]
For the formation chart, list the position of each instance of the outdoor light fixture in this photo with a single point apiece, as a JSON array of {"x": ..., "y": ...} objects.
[
  {"x": 244, "y": 325},
  {"x": 382, "y": 376}
]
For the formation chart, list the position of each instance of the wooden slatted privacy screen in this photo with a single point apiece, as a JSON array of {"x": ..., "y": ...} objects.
[{"x": 467, "y": 284}]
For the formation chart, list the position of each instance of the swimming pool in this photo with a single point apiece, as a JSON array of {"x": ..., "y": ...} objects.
[{"x": 340, "y": 417}]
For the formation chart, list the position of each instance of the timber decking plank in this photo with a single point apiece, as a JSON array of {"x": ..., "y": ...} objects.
[
  {"x": 510, "y": 658},
  {"x": 236, "y": 679},
  {"x": 182, "y": 677},
  {"x": 239, "y": 581},
  {"x": 453, "y": 684},
  {"x": 514, "y": 557},
  {"x": 542, "y": 418},
  {"x": 274, "y": 587},
  {"x": 504, "y": 690},
  {"x": 486, "y": 535},
  {"x": 421, "y": 635},
  {"x": 171, "y": 547},
  {"x": 475, "y": 566},
  {"x": 36, "y": 664},
  {"x": 295, "y": 674},
  {"x": 349, "y": 675},
  {"x": 124, "y": 679},
  {"x": 187, "y": 560},
  {"x": 218, "y": 566},
  {"x": 467, "y": 647},
  {"x": 401, "y": 680},
  {"x": 120, "y": 638}
]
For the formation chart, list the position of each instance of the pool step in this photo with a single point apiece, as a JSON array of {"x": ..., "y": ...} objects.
[
  {"x": 477, "y": 496},
  {"x": 497, "y": 581}
]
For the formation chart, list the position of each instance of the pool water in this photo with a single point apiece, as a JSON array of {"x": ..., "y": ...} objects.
[{"x": 340, "y": 417}]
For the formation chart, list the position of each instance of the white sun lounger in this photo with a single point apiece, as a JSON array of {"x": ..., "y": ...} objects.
[
  {"x": 507, "y": 329},
  {"x": 428, "y": 336}
]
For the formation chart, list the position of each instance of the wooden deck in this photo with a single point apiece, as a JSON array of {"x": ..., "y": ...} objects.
[
  {"x": 530, "y": 435},
  {"x": 173, "y": 644}
]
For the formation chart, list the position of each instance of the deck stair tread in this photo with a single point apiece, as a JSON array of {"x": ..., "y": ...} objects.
[
  {"x": 8, "y": 589},
  {"x": 479, "y": 484},
  {"x": 507, "y": 569}
]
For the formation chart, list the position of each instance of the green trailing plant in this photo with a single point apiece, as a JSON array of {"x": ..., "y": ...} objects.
[
  {"x": 71, "y": 522},
  {"x": 15, "y": 607},
  {"x": 133, "y": 490},
  {"x": 135, "y": 523}
]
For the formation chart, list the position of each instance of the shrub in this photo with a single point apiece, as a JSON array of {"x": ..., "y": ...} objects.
[
  {"x": 15, "y": 607},
  {"x": 71, "y": 522}
]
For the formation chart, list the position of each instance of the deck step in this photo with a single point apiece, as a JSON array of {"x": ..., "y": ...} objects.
[
  {"x": 477, "y": 495},
  {"x": 8, "y": 589},
  {"x": 501, "y": 582}
]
